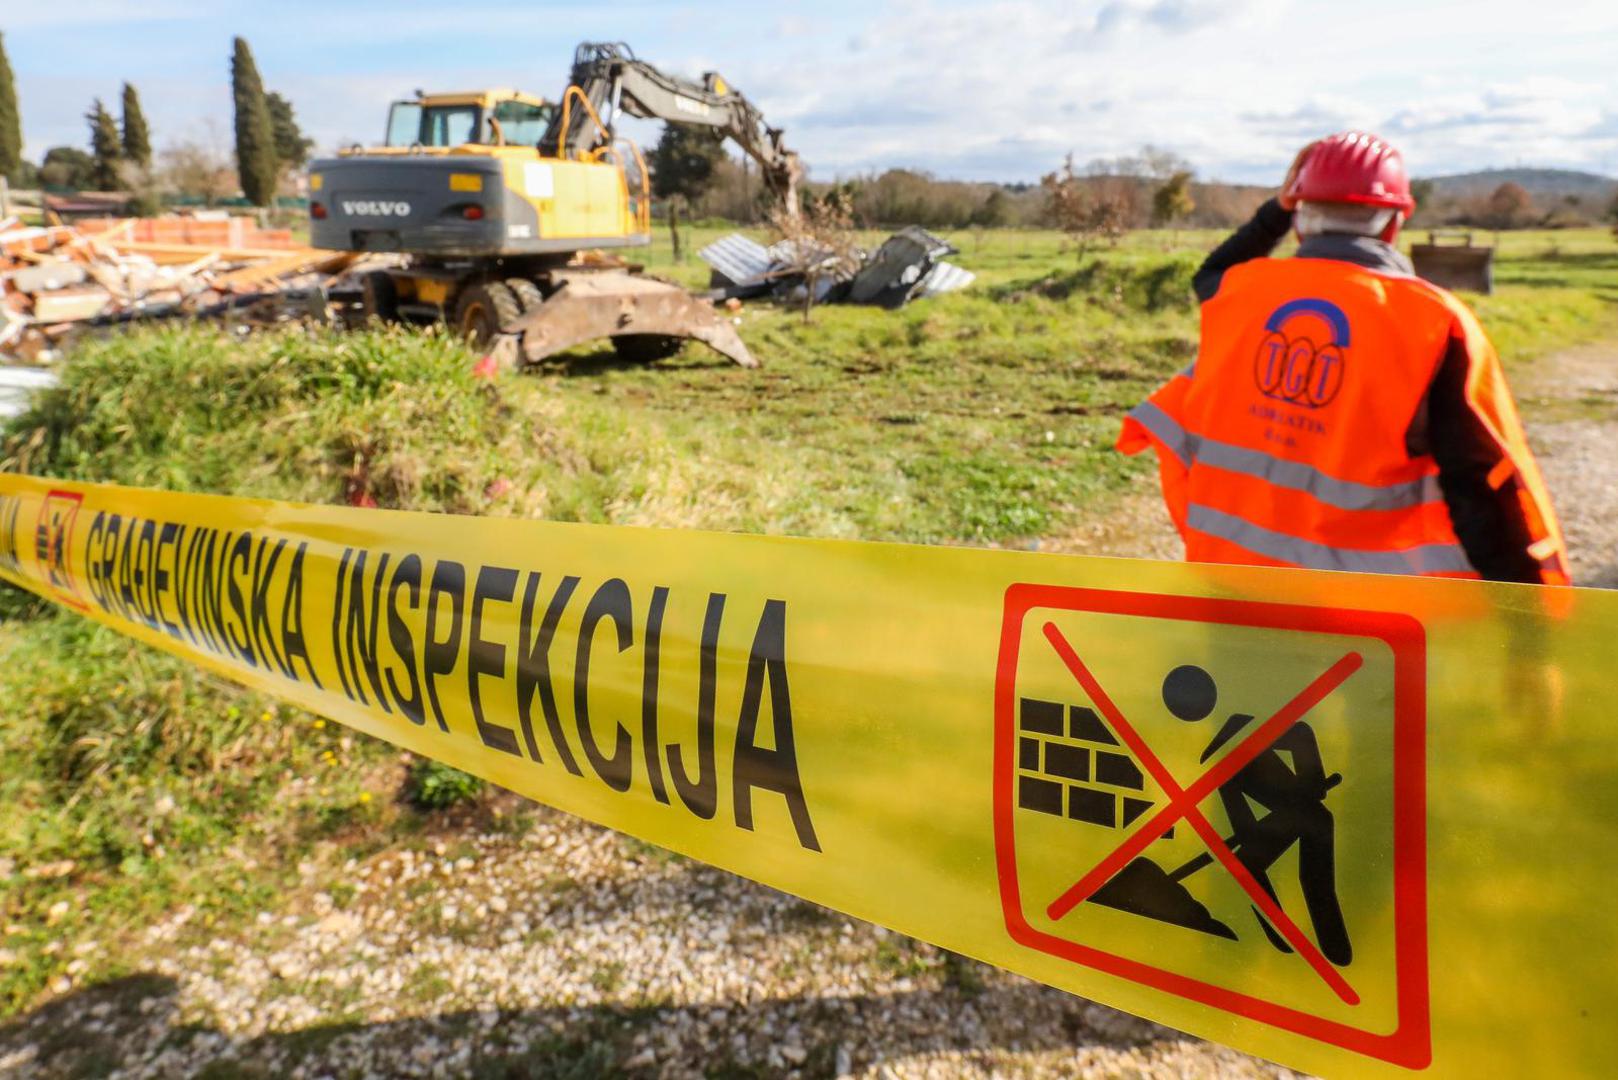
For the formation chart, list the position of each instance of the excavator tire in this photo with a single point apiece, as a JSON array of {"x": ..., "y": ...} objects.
[
  {"x": 645, "y": 348},
  {"x": 379, "y": 297},
  {"x": 527, "y": 293},
  {"x": 485, "y": 311}
]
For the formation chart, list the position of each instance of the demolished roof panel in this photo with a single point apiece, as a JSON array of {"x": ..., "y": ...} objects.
[
  {"x": 905, "y": 267},
  {"x": 738, "y": 259}
]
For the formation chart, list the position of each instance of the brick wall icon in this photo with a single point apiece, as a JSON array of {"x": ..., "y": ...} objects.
[{"x": 1070, "y": 764}]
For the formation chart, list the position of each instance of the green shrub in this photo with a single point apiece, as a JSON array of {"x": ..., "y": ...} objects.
[{"x": 431, "y": 785}]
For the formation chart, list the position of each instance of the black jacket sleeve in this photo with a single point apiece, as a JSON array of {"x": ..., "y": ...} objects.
[
  {"x": 1488, "y": 521},
  {"x": 1255, "y": 240}
]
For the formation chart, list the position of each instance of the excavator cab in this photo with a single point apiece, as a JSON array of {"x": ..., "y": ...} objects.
[{"x": 488, "y": 118}]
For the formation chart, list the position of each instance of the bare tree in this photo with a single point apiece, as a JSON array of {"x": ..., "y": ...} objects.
[
  {"x": 198, "y": 167},
  {"x": 1079, "y": 208},
  {"x": 819, "y": 241}
]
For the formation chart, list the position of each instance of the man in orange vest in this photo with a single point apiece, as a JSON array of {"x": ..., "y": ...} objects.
[{"x": 1343, "y": 414}]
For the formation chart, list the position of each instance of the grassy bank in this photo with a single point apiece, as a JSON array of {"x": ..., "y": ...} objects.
[{"x": 131, "y": 785}]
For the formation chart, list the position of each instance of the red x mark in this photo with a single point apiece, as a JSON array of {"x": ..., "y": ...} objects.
[{"x": 1183, "y": 802}]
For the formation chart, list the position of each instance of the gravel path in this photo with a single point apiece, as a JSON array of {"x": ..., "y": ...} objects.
[
  {"x": 572, "y": 951},
  {"x": 561, "y": 949},
  {"x": 1570, "y": 405}
]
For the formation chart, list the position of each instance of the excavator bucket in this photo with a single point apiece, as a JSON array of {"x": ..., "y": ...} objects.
[{"x": 589, "y": 304}]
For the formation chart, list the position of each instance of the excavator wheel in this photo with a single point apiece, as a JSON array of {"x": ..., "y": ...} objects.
[
  {"x": 527, "y": 293},
  {"x": 646, "y": 348},
  {"x": 485, "y": 311},
  {"x": 379, "y": 297}
]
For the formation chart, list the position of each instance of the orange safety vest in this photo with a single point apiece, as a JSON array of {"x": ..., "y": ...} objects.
[{"x": 1284, "y": 443}]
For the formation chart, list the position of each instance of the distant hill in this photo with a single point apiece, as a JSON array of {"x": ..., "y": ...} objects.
[{"x": 1542, "y": 184}]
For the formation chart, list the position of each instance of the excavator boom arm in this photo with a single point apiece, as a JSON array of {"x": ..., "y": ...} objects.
[{"x": 612, "y": 80}]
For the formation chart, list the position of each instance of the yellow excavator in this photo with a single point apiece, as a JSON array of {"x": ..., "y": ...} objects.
[{"x": 510, "y": 208}]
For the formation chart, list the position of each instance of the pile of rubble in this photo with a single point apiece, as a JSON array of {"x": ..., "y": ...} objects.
[
  {"x": 908, "y": 266},
  {"x": 55, "y": 279}
]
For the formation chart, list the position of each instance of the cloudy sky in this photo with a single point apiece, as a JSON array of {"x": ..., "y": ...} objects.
[{"x": 991, "y": 91}]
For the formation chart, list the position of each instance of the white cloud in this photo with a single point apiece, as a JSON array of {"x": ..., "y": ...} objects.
[
  {"x": 1002, "y": 91},
  {"x": 984, "y": 90}
]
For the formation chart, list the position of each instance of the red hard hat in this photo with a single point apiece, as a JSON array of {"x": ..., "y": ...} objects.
[{"x": 1354, "y": 167}]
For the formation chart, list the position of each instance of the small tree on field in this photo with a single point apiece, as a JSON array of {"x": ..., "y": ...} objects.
[
  {"x": 1172, "y": 201},
  {"x": 683, "y": 164},
  {"x": 1073, "y": 206},
  {"x": 1510, "y": 207},
  {"x": 105, "y": 147},
  {"x": 10, "y": 120},
  {"x": 137, "y": 137},
  {"x": 820, "y": 240},
  {"x": 1066, "y": 202},
  {"x": 255, "y": 132},
  {"x": 1612, "y": 215},
  {"x": 995, "y": 213}
]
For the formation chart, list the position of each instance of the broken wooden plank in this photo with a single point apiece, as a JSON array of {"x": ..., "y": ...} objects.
[
  {"x": 187, "y": 252},
  {"x": 302, "y": 262}
]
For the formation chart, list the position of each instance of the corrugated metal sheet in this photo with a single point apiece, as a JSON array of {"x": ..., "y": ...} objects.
[
  {"x": 739, "y": 260},
  {"x": 942, "y": 278},
  {"x": 17, "y": 385}
]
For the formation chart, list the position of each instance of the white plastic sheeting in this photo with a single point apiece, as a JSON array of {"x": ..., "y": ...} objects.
[{"x": 17, "y": 386}]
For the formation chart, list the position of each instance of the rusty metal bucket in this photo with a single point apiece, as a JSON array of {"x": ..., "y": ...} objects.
[
  {"x": 588, "y": 304},
  {"x": 1449, "y": 260}
]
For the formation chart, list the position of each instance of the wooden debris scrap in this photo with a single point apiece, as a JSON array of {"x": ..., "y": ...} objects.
[{"x": 56, "y": 277}]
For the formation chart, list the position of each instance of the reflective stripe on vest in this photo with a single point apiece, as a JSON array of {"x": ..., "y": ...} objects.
[
  {"x": 1192, "y": 449},
  {"x": 1423, "y": 559}
]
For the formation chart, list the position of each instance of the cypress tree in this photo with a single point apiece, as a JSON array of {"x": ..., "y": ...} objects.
[
  {"x": 105, "y": 148},
  {"x": 291, "y": 145},
  {"x": 255, "y": 133},
  {"x": 137, "y": 136},
  {"x": 10, "y": 119}
]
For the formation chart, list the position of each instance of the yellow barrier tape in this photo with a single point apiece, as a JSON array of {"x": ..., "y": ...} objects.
[{"x": 1356, "y": 825}]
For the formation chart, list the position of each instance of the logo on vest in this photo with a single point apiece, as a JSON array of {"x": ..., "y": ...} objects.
[{"x": 1303, "y": 355}]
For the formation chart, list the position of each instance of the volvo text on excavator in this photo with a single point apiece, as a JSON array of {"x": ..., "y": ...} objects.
[{"x": 508, "y": 207}]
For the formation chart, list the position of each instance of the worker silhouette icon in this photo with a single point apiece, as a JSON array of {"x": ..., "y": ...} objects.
[{"x": 1288, "y": 783}]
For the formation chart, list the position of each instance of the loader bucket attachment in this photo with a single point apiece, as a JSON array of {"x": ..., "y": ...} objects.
[
  {"x": 591, "y": 304},
  {"x": 1449, "y": 261}
]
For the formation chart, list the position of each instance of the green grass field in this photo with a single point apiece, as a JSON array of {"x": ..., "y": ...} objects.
[{"x": 130, "y": 784}]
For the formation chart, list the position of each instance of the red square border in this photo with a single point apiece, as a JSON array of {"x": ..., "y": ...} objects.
[
  {"x": 48, "y": 569},
  {"x": 1410, "y": 1043}
]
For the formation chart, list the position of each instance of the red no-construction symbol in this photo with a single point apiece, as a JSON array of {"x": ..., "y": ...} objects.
[{"x": 1112, "y": 804}]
